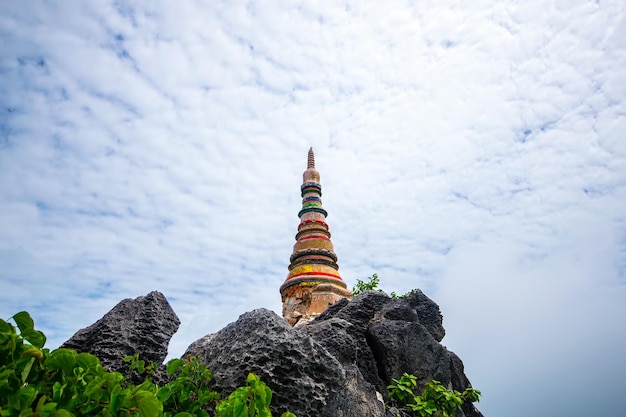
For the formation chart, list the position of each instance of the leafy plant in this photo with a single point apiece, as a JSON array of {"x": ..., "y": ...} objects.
[
  {"x": 405, "y": 295},
  {"x": 435, "y": 401},
  {"x": 189, "y": 392},
  {"x": 370, "y": 285},
  {"x": 37, "y": 382},
  {"x": 253, "y": 400},
  {"x": 62, "y": 383},
  {"x": 403, "y": 388},
  {"x": 140, "y": 366}
]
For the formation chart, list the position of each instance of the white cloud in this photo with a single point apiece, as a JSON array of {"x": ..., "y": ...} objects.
[{"x": 473, "y": 150}]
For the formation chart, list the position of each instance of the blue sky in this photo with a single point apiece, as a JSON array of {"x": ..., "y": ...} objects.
[{"x": 475, "y": 150}]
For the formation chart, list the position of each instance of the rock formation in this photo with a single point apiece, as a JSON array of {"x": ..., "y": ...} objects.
[
  {"x": 144, "y": 325},
  {"x": 337, "y": 365},
  {"x": 341, "y": 362}
]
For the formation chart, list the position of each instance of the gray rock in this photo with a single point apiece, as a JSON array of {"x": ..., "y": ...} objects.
[
  {"x": 144, "y": 325},
  {"x": 390, "y": 337},
  {"x": 460, "y": 382},
  {"x": 304, "y": 376},
  {"x": 338, "y": 365},
  {"x": 358, "y": 312},
  {"x": 403, "y": 346},
  {"x": 428, "y": 313},
  {"x": 335, "y": 365}
]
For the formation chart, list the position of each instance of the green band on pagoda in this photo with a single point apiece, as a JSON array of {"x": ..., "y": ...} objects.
[
  {"x": 311, "y": 190},
  {"x": 315, "y": 209},
  {"x": 311, "y": 187}
]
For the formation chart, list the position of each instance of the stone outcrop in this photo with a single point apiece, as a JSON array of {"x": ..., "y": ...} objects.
[
  {"x": 305, "y": 378},
  {"x": 339, "y": 363},
  {"x": 143, "y": 325}
]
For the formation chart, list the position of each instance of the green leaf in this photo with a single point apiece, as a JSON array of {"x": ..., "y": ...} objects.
[
  {"x": 174, "y": 365},
  {"x": 48, "y": 408},
  {"x": 61, "y": 413},
  {"x": 35, "y": 337},
  {"x": 87, "y": 360},
  {"x": 148, "y": 404},
  {"x": 92, "y": 389},
  {"x": 24, "y": 398},
  {"x": 5, "y": 374},
  {"x": 252, "y": 378},
  {"x": 239, "y": 408},
  {"x": 164, "y": 393},
  {"x": 259, "y": 395},
  {"x": 88, "y": 408},
  {"x": 40, "y": 403},
  {"x": 117, "y": 398},
  {"x": 26, "y": 369},
  {"x": 265, "y": 412},
  {"x": 24, "y": 321},
  {"x": 64, "y": 359},
  {"x": 6, "y": 328},
  {"x": 57, "y": 391}
]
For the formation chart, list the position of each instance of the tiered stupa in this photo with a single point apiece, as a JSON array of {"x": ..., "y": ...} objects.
[{"x": 313, "y": 282}]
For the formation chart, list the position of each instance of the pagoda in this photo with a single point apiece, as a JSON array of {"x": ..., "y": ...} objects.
[{"x": 313, "y": 282}]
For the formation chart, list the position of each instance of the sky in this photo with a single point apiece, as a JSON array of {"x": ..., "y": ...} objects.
[{"x": 475, "y": 150}]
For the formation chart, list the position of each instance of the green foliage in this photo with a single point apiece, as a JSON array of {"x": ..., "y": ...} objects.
[
  {"x": 37, "y": 382},
  {"x": 189, "y": 392},
  {"x": 140, "y": 366},
  {"x": 370, "y": 285},
  {"x": 405, "y": 295},
  {"x": 403, "y": 388},
  {"x": 435, "y": 401},
  {"x": 253, "y": 400}
]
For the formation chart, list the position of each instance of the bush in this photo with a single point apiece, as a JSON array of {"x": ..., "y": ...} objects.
[
  {"x": 370, "y": 285},
  {"x": 37, "y": 382},
  {"x": 435, "y": 401}
]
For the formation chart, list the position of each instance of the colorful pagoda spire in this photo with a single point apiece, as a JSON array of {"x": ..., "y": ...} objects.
[{"x": 313, "y": 282}]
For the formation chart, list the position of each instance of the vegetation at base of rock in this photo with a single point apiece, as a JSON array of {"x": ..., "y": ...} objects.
[
  {"x": 435, "y": 400},
  {"x": 251, "y": 400},
  {"x": 37, "y": 382}
]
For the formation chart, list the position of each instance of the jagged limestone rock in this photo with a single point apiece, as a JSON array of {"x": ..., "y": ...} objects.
[
  {"x": 304, "y": 377},
  {"x": 340, "y": 362},
  {"x": 143, "y": 325},
  {"x": 402, "y": 335},
  {"x": 337, "y": 365}
]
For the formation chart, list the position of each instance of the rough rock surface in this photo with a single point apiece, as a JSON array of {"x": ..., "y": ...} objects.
[
  {"x": 144, "y": 325},
  {"x": 304, "y": 377},
  {"x": 336, "y": 364}
]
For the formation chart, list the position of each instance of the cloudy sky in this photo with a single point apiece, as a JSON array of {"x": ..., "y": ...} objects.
[{"x": 475, "y": 150}]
